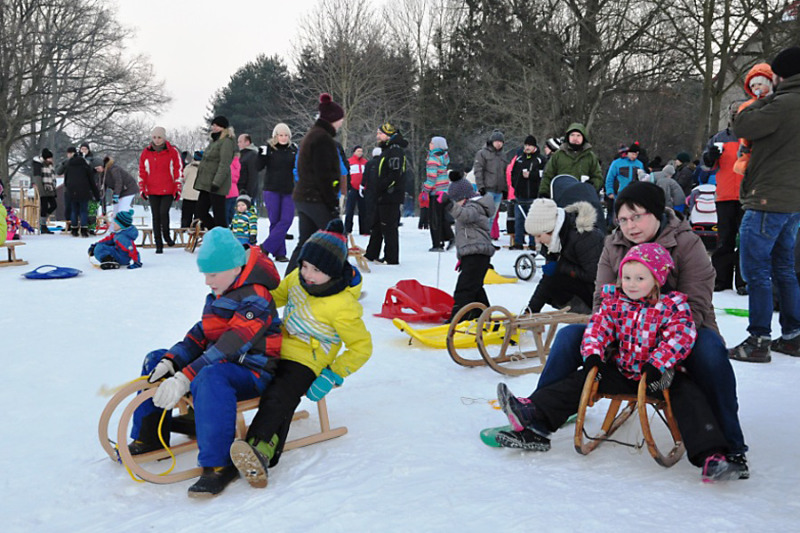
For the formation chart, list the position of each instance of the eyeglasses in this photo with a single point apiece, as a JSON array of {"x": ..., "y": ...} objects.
[{"x": 634, "y": 219}]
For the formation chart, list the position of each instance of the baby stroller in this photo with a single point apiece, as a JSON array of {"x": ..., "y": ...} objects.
[
  {"x": 703, "y": 214},
  {"x": 564, "y": 190}
]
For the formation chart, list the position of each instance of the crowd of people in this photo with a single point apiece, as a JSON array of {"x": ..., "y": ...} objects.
[{"x": 636, "y": 267}]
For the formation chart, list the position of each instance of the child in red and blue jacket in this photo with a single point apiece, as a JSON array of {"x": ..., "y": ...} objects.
[
  {"x": 637, "y": 333},
  {"x": 118, "y": 248},
  {"x": 229, "y": 356}
]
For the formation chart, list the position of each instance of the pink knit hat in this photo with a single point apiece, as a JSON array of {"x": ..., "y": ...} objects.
[{"x": 652, "y": 255}]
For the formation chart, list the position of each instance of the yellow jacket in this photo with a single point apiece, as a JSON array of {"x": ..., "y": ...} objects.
[
  {"x": 3, "y": 224},
  {"x": 314, "y": 328}
]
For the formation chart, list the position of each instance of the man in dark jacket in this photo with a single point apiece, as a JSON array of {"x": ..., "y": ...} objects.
[
  {"x": 318, "y": 175},
  {"x": 250, "y": 162},
  {"x": 526, "y": 174},
  {"x": 390, "y": 190},
  {"x": 770, "y": 196},
  {"x": 79, "y": 181}
]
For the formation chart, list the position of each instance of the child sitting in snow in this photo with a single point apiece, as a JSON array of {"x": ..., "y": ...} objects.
[
  {"x": 244, "y": 224},
  {"x": 118, "y": 248},
  {"x": 652, "y": 333},
  {"x": 229, "y": 356},
  {"x": 472, "y": 213},
  {"x": 321, "y": 315}
]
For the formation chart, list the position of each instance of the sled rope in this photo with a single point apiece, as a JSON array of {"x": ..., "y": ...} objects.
[
  {"x": 466, "y": 400},
  {"x": 105, "y": 391}
]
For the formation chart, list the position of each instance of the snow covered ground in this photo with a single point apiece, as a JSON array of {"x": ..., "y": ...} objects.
[{"x": 412, "y": 459}]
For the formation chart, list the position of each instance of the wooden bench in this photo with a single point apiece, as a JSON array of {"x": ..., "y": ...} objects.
[
  {"x": 180, "y": 235},
  {"x": 119, "y": 451},
  {"x": 12, "y": 254}
]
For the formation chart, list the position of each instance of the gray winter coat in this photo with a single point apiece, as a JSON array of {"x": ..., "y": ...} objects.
[
  {"x": 490, "y": 169},
  {"x": 473, "y": 224},
  {"x": 673, "y": 193}
]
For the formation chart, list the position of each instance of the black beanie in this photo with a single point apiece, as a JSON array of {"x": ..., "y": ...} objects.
[
  {"x": 46, "y": 154},
  {"x": 787, "y": 63},
  {"x": 221, "y": 121},
  {"x": 530, "y": 140},
  {"x": 648, "y": 195}
]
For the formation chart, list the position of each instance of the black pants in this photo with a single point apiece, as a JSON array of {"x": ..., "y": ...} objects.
[
  {"x": 469, "y": 286},
  {"x": 726, "y": 257},
  {"x": 310, "y": 218},
  {"x": 558, "y": 290},
  {"x": 48, "y": 206},
  {"x": 160, "y": 204},
  {"x": 385, "y": 234},
  {"x": 440, "y": 221},
  {"x": 279, "y": 402},
  {"x": 187, "y": 212},
  {"x": 555, "y": 403},
  {"x": 207, "y": 201}
]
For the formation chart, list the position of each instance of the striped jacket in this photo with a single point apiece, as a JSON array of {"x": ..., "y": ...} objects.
[
  {"x": 661, "y": 334},
  {"x": 245, "y": 224},
  {"x": 240, "y": 326},
  {"x": 436, "y": 171}
]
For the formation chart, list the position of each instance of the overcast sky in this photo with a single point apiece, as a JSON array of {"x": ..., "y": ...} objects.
[{"x": 196, "y": 45}]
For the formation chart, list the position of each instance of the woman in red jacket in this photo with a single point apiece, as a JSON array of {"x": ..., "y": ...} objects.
[{"x": 160, "y": 173}]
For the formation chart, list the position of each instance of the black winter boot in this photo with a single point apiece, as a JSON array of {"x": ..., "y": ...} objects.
[
  {"x": 251, "y": 462},
  {"x": 74, "y": 231},
  {"x": 753, "y": 350},
  {"x": 148, "y": 434},
  {"x": 213, "y": 480},
  {"x": 84, "y": 231}
]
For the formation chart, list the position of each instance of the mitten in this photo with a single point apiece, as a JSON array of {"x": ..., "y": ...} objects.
[
  {"x": 91, "y": 250},
  {"x": 164, "y": 367},
  {"x": 115, "y": 199},
  {"x": 323, "y": 384},
  {"x": 592, "y": 361},
  {"x": 549, "y": 268},
  {"x": 252, "y": 240},
  {"x": 214, "y": 188},
  {"x": 482, "y": 191},
  {"x": 442, "y": 197},
  {"x": 361, "y": 191},
  {"x": 135, "y": 264},
  {"x": 657, "y": 381},
  {"x": 171, "y": 390}
]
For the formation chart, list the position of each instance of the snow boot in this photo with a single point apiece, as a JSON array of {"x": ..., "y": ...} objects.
[
  {"x": 74, "y": 231},
  {"x": 718, "y": 468},
  {"x": 147, "y": 440},
  {"x": 527, "y": 439},
  {"x": 752, "y": 350},
  {"x": 43, "y": 229},
  {"x": 518, "y": 410},
  {"x": 213, "y": 480},
  {"x": 788, "y": 347},
  {"x": 109, "y": 265},
  {"x": 740, "y": 460},
  {"x": 84, "y": 231},
  {"x": 252, "y": 459}
]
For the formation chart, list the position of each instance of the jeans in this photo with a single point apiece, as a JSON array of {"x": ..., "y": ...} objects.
[
  {"x": 355, "y": 200},
  {"x": 766, "y": 242},
  {"x": 215, "y": 391},
  {"x": 708, "y": 366},
  {"x": 79, "y": 208},
  {"x": 520, "y": 213}
]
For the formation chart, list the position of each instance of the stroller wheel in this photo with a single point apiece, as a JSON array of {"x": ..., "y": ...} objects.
[{"x": 525, "y": 267}]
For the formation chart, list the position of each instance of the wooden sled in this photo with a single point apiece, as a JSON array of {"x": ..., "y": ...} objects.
[
  {"x": 466, "y": 329},
  {"x": 12, "y": 254},
  {"x": 614, "y": 419},
  {"x": 437, "y": 336},
  {"x": 358, "y": 252},
  {"x": 195, "y": 233},
  {"x": 120, "y": 452},
  {"x": 497, "y": 323}
]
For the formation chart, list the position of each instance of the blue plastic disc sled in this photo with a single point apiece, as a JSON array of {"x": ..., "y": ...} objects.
[{"x": 55, "y": 272}]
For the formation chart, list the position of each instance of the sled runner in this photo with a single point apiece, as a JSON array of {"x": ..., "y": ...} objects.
[
  {"x": 119, "y": 451},
  {"x": 358, "y": 252},
  {"x": 12, "y": 254},
  {"x": 614, "y": 419},
  {"x": 195, "y": 236}
]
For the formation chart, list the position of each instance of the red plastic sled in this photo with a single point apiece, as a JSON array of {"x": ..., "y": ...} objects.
[{"x": 413, "y": 302}]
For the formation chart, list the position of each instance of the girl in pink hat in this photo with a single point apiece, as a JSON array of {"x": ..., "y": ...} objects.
[{"x": 637, "y": 333}]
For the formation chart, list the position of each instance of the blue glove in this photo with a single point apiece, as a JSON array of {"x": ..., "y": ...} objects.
[
  {"x": 549, "y": 268},
  {"x": 115, "y": 199},
  {"x": 137, "y": 264},
  {"x": 323, "y": 384},
  {"x": 91, "y": 250}
]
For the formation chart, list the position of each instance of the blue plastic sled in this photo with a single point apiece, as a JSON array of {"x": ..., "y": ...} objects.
[{"x": 57, "y": 272}]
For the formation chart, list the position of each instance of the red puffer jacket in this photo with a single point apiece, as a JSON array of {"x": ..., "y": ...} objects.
[{"x": 160, "y": 171}]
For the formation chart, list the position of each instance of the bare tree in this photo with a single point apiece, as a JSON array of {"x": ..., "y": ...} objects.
[{"x": 65, "y": 69}]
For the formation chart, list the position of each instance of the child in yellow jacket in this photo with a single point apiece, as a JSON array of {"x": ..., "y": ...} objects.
[{"x": 324, "y": 341}]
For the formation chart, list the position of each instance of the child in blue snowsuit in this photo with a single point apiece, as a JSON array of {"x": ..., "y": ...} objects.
[
  {"x": 227, "y": 357},
  {"x": 118, "y": 248}
]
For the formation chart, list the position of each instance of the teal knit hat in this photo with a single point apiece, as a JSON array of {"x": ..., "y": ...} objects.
[
  {"x": 220, "y": 251},
  {"x": 124, "y": 218}
]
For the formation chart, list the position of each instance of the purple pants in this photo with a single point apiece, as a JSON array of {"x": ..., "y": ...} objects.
[{"x": 280, "y": 210}]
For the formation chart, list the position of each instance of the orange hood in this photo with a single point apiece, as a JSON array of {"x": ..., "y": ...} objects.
[{"x": 759, "y": 69}]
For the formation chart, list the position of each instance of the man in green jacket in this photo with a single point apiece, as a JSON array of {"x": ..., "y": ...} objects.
[
  {"x": 574, "y": 157},
  {"x": 770, "y": 196}
]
